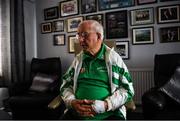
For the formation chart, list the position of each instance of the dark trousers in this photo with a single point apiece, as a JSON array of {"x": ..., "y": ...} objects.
[{"x": 73, "y": 115}]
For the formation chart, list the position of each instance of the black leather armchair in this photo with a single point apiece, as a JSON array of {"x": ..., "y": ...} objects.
[
  {"x": 155, "y": 103},
  {"x": 26, "y": 103}
]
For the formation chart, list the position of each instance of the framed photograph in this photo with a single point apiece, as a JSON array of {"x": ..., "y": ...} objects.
[
  {"x": 68, "y": 8},
  {"x": 141, "y": 2},
  {"x": 88, "y": 6},
  {"x": 46, "y": 28},
  {"x": 112, "y": 4},
  {"x": 116, "y": 24},
  {"x": 71, "y": 40},
  {"x": 142, "y": 16},
  {"x": 59, "y": 39},
  {"x": 58, "y": 26},
  {"x": 51, "y": 13},
  {"x": 143, "y": 35},
  {"x": 168, "y": 14},
  {"x": 167, "y": 0},
  {"x": 72, "y": 23},
  {"x": 97, "y": 17},
  {"x": 122, "y": 48},
  {"x": 169, "y": 34}
]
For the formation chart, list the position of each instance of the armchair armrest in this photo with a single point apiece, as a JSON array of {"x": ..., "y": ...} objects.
[
  {"x": 55, "y": 103},
  {"x": 130, "y": 105},
  {"x": 18, "y": 88},
  {"x": 154, "y": 99}
]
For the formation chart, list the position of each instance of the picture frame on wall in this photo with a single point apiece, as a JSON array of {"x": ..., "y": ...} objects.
[
  {"x": 46, "y": 27},
  {"x": 88, "y": 6},
  {"x": 168, "y": 14},
  {"x": 141, "y": 2},
  {"x": 169, "y": 34},
  {"x": 72, "y": 23},
  {"x": 167, "y": 0},
  {"x": 71, "y": 40},
  {"x": 143, "y": 35},
  {"x": 97, "y": 17},
  {"x": 59, "y": 39},
  {"x": 122, "y": 48},
  {"x": 58, "y": 26},
  {"x": 142, "y": 16},
  {"x": 69, "y": 8},
  {"x": 51, "y": 13},
  {"x": 112, "y": 4},
  {"x": 116, "y": 24}
]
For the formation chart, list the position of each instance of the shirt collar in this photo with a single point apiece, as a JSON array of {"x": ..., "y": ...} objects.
[{"x": 100, "y": 54}]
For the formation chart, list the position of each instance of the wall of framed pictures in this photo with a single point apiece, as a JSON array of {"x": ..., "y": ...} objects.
[{"x": 140, "y": 34}]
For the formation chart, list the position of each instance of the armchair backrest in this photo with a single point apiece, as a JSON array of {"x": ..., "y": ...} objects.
[
  {"x": 51, "y": 66},
  {"x": 164, "y": 67}
]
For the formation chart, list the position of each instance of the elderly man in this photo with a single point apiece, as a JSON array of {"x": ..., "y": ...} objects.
[{"x": 97, "y": 84}]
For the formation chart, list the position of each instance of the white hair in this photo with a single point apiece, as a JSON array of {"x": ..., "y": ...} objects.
[{"x": 96, "y": 26}]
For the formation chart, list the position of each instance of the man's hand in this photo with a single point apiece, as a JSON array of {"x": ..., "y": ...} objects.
[{"x": 83, "y": 107}]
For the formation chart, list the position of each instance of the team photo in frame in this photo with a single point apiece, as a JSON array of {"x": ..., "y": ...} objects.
[
  {"x": 72, "y": 23},
  {"x": 142, "y": 16},
  {"x": 69, "y": 8}
]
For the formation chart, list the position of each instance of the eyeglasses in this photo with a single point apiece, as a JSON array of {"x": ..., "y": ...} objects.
[{"x": 83, "y": 34}]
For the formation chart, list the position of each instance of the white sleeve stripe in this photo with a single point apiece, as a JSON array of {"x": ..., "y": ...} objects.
[{"x": 115, "y": 75}]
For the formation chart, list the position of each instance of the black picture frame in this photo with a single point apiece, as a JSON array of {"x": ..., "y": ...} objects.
[
  {"x": 167, "y": 0},
  {"x": 97, "y": 17},
  {"x": 142, "y": 16},
  {"x": 168, "y": 14},
  {"x": 69, "y": 8},
  {"x": 72, "y": 23},
  {"x": 116, "y": 24},
  {"x": 112, "y": 4},
  {"x": 122, "y": 48},
  {"x": 169, "y": 34},
  {"x": 142, "y": 2},
  {"x": 58, "y": 26},
  {"x": 59, "y": 39},
  {"x": 143, "y": 35},
  {"x": 88, "y": 6},
  {"x": 71, "y": 40},
  {"x": 46, "y": 27},
  {"x": 51, "y": 13}
]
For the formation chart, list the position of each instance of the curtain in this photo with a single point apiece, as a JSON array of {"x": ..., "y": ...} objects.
[
  {"x": 17, "y": 41},
  {"x": 5, "y": 79}
]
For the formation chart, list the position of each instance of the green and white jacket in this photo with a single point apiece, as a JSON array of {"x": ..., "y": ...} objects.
[{"x": 120, "y": 81}]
